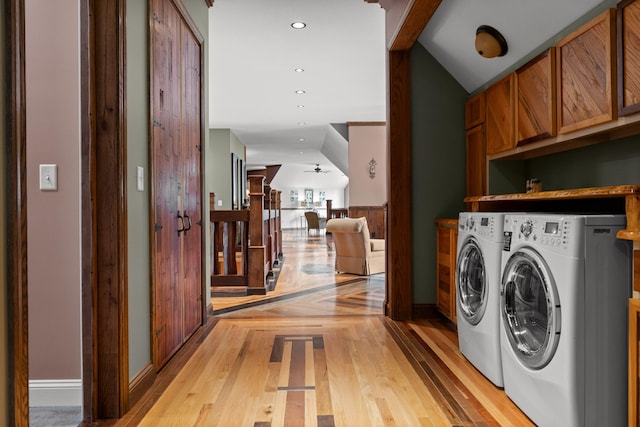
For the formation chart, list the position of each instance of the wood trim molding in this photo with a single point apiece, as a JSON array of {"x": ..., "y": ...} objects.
[
  {"x": 398, "y": 304},
  {"x": 209, "y": 3},
  {"x": 416, "y": 17},
  {"x": 104, "y": 212},
  {"x": 16, "y": 182},
  {"x": 141, "y": 383},
  {"x": 366, "y": 123}
]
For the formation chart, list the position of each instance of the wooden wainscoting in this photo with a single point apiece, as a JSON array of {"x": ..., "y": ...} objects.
[{"x": 376, "y": 218}]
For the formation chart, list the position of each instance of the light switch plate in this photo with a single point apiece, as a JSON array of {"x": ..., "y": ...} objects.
[
  {"x": 219, "y": 202},
  {"x": 49, "y": 177},
  {"x": 140, "y": 178}
]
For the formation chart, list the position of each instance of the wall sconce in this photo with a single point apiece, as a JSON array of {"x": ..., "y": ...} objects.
[
  {"x": 489, "y": 42},
  {"x": 372, "y": 168}
]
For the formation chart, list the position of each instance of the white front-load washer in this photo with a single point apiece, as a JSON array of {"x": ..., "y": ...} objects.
[
  {"x": 565, "y": 289},
  {"x": 478, "y": 291}
]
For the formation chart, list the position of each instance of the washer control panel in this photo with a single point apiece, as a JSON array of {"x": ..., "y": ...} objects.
[{"x": 554, "y": 232}]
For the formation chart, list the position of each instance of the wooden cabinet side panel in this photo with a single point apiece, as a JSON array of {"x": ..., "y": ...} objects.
[
  {"x": 586, "y": 75},
  {"x": 476, "y": 162},
  {"x": 536, "y": 89},
  {"x": 500, "y": 115},
  {"x": 628, "y": 21}
]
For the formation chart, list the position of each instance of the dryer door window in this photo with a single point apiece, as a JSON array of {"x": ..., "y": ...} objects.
[
  {"x": 530, "y": 308},
  {"x": 471, "y": 282}
]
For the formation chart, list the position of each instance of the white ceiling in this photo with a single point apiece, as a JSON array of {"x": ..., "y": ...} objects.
[{"x": 253, "y": 52}]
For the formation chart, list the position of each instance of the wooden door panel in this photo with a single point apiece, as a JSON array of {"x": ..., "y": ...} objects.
[
  {"x": 166, "y": 175},
  {"x": 192, "y": 206}
]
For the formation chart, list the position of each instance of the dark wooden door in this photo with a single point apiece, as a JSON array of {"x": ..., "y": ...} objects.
[
  {"x": 192, "y": 208},
  {"x": 176, "y": 122}
]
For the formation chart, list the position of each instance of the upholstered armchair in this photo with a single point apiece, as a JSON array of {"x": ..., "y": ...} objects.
[
  {"x": 356, "y": 252},
  {"x": 314, "y": 222}
]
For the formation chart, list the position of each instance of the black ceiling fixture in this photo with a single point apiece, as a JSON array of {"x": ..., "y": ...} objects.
[
  {"x": 489, "y": 42},
  {"x": 318, "y": 169}
]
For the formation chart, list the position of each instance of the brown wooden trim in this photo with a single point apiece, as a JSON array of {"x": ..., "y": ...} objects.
[
  {"x": 636, "y": 270},
  {"x": 16, "y": 219},
  {"x": 410, "y": 29},
  {"x": 209, "y": 3},
  {"x": 366, "y": 123},
  {"x": 426, "y": 311},
  {"x": 398, "y": 304},
  {"x": 104, "y": 212},
  {"x": 141, "y": 383},
  {"x": 623, "y": 110}
]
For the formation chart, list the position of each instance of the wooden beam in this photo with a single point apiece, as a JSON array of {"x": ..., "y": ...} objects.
[
  {"x": 399, "y": 231},
  {"x": 416, "y": 17}
]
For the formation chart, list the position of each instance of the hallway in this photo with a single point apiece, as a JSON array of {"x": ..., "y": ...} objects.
[{"x": 319, "y": 352}]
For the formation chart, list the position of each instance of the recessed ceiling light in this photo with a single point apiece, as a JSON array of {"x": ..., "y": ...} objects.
[
  {"x": 298, "y": 25},
  {"x": 301, "y": 123},
  {"x": 299, "y": 70},
  {"x": 302, "y": 152},
  {"x": 300, "y": 91},
  {"x": 300, "y": 106},
  {"x": 301, "y": 140}
]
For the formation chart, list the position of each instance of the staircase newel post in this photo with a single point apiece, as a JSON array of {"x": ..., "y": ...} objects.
[{"x": 257, "y": 274}]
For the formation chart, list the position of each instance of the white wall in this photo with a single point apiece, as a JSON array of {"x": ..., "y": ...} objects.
[
  {"x": 53, "y": 218},
  {"x": 367, "y": 142}
]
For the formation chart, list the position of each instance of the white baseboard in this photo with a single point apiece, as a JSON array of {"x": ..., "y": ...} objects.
[{"x": 55, "y": 392}]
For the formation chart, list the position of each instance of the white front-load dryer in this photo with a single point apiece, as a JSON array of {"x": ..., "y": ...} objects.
[
  {"x": 566, "y": 284},
  {"x": 478, "y": 291}
]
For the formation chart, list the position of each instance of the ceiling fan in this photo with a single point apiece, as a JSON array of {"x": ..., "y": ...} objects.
[{"x": 318, "y": 169}]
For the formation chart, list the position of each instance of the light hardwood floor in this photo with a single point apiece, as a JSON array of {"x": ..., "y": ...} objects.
[{"x": 317, "y": 351}]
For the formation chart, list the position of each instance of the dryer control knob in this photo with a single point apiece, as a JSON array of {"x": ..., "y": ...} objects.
[
  {"x": 526, "y": 228},
  {"x": 470, "y": 223}
]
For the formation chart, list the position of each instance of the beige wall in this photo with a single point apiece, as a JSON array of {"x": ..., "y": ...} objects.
[
  {"x": 222, "y": 142},
  {"x": 4, "y": 323},
  {"x": 365, "y": 143},
  {"x": 53, "y": 217}
]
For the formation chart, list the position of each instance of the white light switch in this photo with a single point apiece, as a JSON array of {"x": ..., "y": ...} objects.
[
  {"x": 49, "y": 177},
  {"x": 140, "y": 178},
  {"x": 219, "y": 202}
]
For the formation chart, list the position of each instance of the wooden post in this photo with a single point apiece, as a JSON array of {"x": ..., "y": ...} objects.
[
  {"x": 257, "y": 274},
  {"x": 279, "y": 224},
  {"x": 329, "y": 216}
]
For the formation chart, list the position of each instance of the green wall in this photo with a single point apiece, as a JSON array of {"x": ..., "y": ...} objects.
[
  {"x": 137, "y": 155},
  {"x": 138, "y": 201},
  {"x": 607, "y": 163},
  {"x": 222, "y": 142},
  {"x": 438, "y": 162}
]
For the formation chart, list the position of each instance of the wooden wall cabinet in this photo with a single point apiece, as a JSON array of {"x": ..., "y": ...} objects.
[
  {"x": 500, "y": 115},
  {"x": 628, "y": 28},
  {"x": 474, "y": 110},
  {"x": 446, "y": 249},
  {"x": 536, "y": 89},
  {"x": 586, "y": 75}
]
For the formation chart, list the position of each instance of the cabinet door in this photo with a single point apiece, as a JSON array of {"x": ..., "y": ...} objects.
[
  {"x": 474, "y": 110},
  {"x": 585, "y": 68},
  {"x": 500, "y": 120},
  {"x": 476, "y": 162},
  {"x": 536, "y": 112},
  {"x": 628, "y": 57}
]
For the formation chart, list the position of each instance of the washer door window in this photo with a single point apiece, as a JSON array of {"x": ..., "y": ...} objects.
[
  {"x": 471, "y": 282},
  {"x": 530, "y": 308}
]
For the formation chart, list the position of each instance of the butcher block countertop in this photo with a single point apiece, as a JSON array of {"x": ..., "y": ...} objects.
[{"x": 613, "y": 199}]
